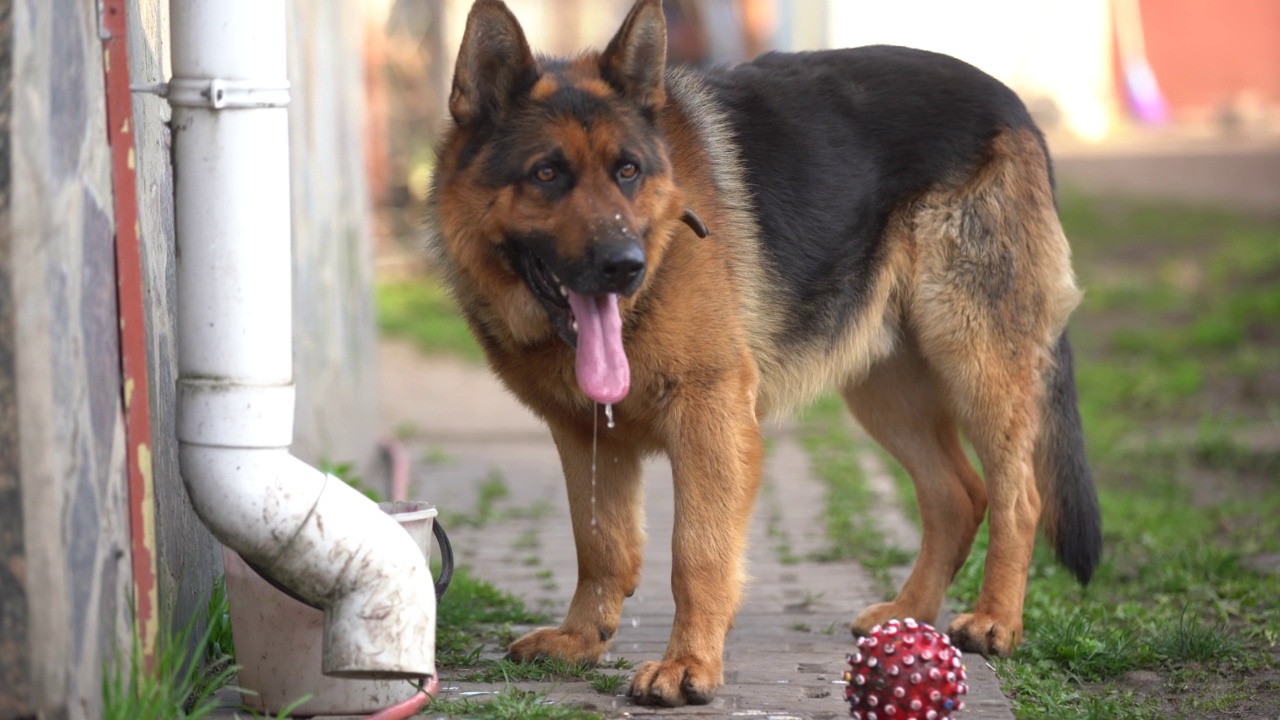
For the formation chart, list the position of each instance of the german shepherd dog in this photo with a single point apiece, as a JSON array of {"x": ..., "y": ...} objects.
[{"x": 702, "y": 251}]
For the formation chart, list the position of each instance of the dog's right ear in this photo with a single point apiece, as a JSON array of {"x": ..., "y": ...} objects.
[{"x": 494, "y": 64}]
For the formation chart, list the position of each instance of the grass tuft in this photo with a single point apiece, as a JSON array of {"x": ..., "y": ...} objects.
[
  {"x": 1191, "y": 641},
  {"x": 511, "y": 704},
  {"x": 183, "y": 678},
  {"x": 610, "y": 683},
  {"x": 221, "y": 646},
  {"x": 1088, "y": 651},
  {"x": 472, "y": 613}
]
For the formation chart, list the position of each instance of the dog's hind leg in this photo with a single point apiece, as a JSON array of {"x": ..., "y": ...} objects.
[
  {"x": 997, "y": 399},
  {"x": 900, "y": 406},
  {"x": 609, "y": 537},
  {"x": 994, "y": 292}
]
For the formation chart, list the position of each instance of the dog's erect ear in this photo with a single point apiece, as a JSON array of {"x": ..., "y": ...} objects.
[
  {"x": 494, "y": 64},
  {"x": 634, "y": 61}
]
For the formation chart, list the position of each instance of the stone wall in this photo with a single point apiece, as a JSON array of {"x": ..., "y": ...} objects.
[
  {"x": 15, "y": 654},
  {"x": 64, "y": 343}
]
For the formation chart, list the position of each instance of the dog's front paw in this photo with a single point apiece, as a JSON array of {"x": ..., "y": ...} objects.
[
  {"x": 986, "y": 634},
  {"x": 673, "y": 683},
  {"x": 557, "y": 643}
]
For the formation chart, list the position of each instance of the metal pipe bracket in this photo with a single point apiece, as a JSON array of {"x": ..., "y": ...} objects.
[{"x": 220, "y": 94}]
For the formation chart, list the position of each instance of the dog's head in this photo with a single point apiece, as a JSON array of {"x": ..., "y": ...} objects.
[{"x": 553, "y": 190}]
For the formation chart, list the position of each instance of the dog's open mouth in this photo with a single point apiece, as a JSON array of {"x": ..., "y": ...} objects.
[{"x": 591, "y": 324}]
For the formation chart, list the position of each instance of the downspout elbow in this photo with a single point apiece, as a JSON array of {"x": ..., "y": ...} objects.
[{"x": 328, "y": 543}]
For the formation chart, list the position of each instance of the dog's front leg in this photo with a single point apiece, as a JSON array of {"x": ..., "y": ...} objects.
[
  {"x": 609, "y": 536},
  {"x": 716, "y": 454}
]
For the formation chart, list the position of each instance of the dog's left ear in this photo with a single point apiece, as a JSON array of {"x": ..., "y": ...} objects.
[{"x": 635, "y": 59}]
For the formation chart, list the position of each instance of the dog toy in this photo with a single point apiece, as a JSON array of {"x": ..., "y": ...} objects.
[{"x": 905, "y": 670}]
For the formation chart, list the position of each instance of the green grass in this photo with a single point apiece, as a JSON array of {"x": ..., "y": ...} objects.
[
  {"x": 475, "y": 615},
  {"x": 347, "y": 473},
  {"x": 221, "y": 645},
  {"x": 185, "y": 671},
  {"x": 511, "y": 704},
  {"x": 1176, "y": 341},
  {"x": 420, "y": 310},
  {"x": 490, "y": 492},
  {"x": 527, "y": 540},
  {"x": 1178, "y": 323},
  {"x": 610, "y": 683},
  {"x": 542, "y": 670}
]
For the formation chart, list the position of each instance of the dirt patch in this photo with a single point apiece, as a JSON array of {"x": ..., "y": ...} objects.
[{"x": 1207, "y": 697}]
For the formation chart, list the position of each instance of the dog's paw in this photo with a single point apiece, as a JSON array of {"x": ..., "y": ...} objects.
[
  {"x": 555, "y": 642},
  {"x": 881, "y": 613},
  {"x": 673, "y": 683},
  {"x": 985, "y": 634}
]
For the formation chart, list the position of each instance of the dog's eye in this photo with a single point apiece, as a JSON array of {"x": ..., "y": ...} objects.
[
  {"x": 544, "y": 173},
  {"x": 628, "y": 171}
]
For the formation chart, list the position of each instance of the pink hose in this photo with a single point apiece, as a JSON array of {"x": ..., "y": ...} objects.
[
  {"x": 407, "y": 708},
  {"x": 399, "y": 461},
  {"x": 399, "y": 458}
]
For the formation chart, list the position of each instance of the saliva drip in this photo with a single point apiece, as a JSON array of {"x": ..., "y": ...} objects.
[
  {"x": 608, "y": 415},
  {"x": 595, "y": 434}
]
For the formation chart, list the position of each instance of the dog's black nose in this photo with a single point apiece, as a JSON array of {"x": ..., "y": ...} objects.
[{"x": 621, "y": 267}]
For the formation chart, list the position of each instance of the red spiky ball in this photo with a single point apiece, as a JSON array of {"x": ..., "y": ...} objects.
[{"x": 905, "y": 670}]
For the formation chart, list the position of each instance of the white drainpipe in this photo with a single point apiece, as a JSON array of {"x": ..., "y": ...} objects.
[{"x": 309, "y": 530}]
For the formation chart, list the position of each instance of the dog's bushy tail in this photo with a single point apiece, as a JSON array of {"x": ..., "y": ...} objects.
[{"x": 1070, "y": 512}]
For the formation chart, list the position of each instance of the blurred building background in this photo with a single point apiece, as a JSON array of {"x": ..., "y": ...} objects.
[{"x": 1095, "y": 73}]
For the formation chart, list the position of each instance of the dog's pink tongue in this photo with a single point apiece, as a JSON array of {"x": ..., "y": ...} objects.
[{"x": 603, "y": 372}]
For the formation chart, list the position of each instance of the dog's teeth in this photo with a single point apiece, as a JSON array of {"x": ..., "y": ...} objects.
[
  {"x": 564, "y": 292},
  {"x": 575, "y": 326}
]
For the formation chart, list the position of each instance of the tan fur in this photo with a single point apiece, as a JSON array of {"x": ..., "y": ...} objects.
[{"x": 544, "y": 88}]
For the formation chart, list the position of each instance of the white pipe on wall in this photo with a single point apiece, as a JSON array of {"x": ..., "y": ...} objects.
[{"x": 309, "y": 530}]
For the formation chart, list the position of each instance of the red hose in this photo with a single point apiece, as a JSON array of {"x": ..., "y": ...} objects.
[{"x": 407, "y": 708}]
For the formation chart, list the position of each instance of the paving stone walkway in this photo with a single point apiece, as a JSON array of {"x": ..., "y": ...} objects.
[{"x": 786, "y": 653}]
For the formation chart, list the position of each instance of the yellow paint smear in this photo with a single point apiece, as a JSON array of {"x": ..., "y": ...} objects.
[
  {"x": 151, "y": 627},
  {"x": 128, "y": 392},
  {"x": 130, "y": 159}
]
